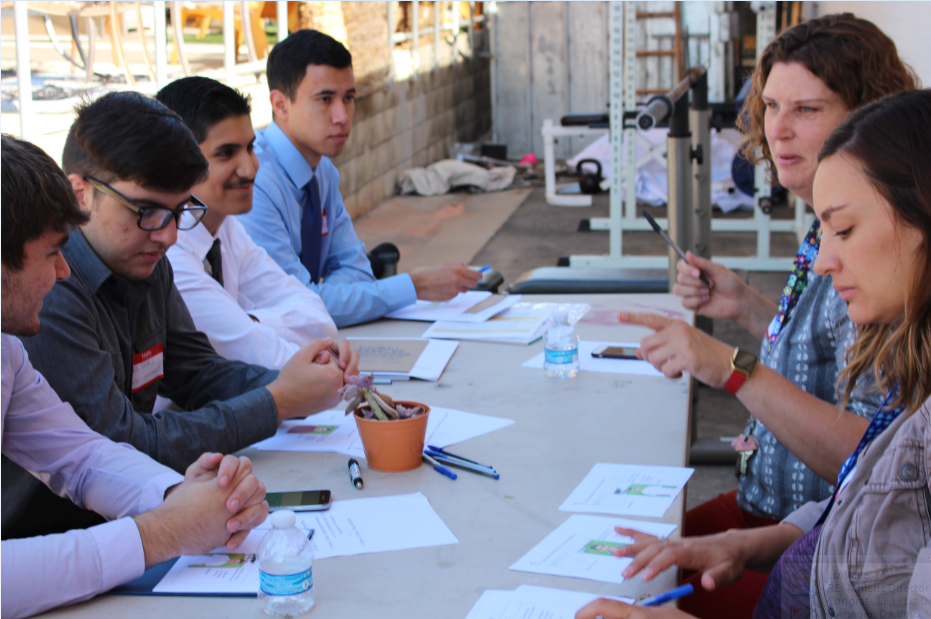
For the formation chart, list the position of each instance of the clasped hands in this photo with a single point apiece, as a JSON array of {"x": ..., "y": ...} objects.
[
  {"x": 217, "y": 504},
  {"x": 310, "y": 381}
]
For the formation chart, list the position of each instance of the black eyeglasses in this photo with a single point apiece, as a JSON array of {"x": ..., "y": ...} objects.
[{"x": 152, "y": 218}]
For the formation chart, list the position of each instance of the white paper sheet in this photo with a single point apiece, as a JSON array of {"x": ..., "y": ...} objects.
[
  {"x": 429, "y": 366},
  {"x": 532, "y": 603},
  {"x": 580, "y": 548},
  {"x": 587, "y": 363},
  {"x": 353, "y": 527},
  {"x": 333, "y": 431},
  {"x": 628, "y": 490},
  {"x": 441, "y": 310}
]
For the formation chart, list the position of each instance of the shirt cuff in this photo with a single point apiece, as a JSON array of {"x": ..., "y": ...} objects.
[
  {"x": 121, "y": 555},
  {"x": 806, "y": 516},
  {"x": 398, "y": 291},
  {"x": 256, "y": 415},
  {"x": 155, "y": 489}
]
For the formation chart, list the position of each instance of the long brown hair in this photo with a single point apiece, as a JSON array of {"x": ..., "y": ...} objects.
[
  {"x": 891, "y": 138},
  {"x": 850, "y": 55}
]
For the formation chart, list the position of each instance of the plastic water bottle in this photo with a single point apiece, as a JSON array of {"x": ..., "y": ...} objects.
[
  {"x": 286, "y": 580},
  {"x": 561, "y": 347}
]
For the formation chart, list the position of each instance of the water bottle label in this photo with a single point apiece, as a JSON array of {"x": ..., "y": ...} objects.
[
  {"x": 288, "y": 584},
  {"x": 561, "y": 357}
]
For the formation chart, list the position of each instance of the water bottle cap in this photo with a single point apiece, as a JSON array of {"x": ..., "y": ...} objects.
[
  {"x": 283, "y": 519},
  {"x": 561, "y": 315}
]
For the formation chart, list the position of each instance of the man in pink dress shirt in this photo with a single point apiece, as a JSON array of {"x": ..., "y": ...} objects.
[{"x": 155, "y": 514}]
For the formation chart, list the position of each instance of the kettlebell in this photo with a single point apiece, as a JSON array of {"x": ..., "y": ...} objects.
[{"x": 589, "y": 183}]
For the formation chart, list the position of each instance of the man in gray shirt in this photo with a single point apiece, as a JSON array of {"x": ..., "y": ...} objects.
[{"x": 117, "y": 333}]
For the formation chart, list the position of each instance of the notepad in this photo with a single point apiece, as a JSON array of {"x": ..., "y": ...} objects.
[{"x": 403, "y": 358}]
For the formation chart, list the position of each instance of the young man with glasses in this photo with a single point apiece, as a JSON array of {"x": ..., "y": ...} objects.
[
  {"x": 117, "y": 333},
  {"x": 298, "y": 216},
  {"x": 239, "y": 297}
]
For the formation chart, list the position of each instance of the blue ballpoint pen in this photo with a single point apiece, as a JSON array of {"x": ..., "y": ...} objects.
[
  {"x": 484, "y": 268},
  {"x": 475, "y": 468},
  {"x": 450, "y": 454},
  {"x": 439, "y": 468},
  {"x": 668, "y": 596}
]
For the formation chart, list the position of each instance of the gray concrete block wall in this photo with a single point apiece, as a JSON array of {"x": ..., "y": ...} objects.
[{"x": 412, "y": 124}]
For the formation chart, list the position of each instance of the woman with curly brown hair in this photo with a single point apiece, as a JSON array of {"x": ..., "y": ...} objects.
[
  {"x": 806, "y": 83},
  {"x": 865, "y": 550}
]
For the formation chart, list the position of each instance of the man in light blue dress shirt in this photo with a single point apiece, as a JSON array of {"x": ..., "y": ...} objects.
[{"x": 298, "y": 214}]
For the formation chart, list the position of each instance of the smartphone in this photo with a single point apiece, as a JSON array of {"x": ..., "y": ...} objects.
[
  {"x": 299, "y": 500},
  {"x": 615, "y": 352}
]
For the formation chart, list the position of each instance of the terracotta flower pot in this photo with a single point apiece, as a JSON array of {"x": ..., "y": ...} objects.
[{"x": 395, "y": 445}]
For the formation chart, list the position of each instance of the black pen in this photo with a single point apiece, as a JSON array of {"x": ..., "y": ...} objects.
[
  {"x": 672, "y": 244},
  {"x": 355, "y": 474}
]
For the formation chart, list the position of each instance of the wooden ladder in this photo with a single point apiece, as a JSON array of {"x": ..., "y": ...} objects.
[{"x": 677, "y": 68}]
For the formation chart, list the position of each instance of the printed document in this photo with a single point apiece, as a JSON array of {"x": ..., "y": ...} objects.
[
  {"x": 403, "y": 358},
  {"x": 357, "y": 526},
  {"x": 581, "y": 548},
  {"x": 628, "y": 490}
]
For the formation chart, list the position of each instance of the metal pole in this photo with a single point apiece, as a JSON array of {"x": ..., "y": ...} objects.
[
  {"x": 415, "y": 43},
  {"x": 630, "y": 104},
  {"x": 616, "y": 116},
  {"x": 229, "y": 43},
  {"x": 456, "y": 27},
  {"x": 679, "y": 170},
  {"x": 436, "y": 35},
  {"x": 281, "y": 12},
  {"x": 472, "y": 29},
  {"x": 161, "y": 45},
  {"x": 700, "y": 123},
  {"x": 23, "y": 70}
]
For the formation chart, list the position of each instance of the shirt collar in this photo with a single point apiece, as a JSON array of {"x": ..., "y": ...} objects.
[
  {"x": 82, "y": 258},
  {"x": 290, "y": 158},
  {"x": 198, "y": 240}
]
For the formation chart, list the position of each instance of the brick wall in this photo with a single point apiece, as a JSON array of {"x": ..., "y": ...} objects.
[{"x": 411, "y": 125}]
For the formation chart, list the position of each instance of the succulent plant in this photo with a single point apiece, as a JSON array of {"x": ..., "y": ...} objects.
[{"x": 359, "y": 391}]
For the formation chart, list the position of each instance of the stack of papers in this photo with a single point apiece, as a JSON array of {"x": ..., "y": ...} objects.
[
  {"x": 581, "y": 548},
  {"x": 530, "y": 602},
  {"x": 334, "y": 431},
  {"x": 522, "y": 323},
  {"x": 351, "y": 527},
  {"x": 627, "y": 489},
  {"x": 472, "y": 306},
  {"x": 403, "y": 358}
]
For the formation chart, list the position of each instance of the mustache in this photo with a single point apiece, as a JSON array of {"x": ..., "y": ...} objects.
[{"x": 243, "y": 182}]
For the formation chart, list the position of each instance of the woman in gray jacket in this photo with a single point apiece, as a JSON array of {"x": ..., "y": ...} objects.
[{"x": 866, "y": 550}]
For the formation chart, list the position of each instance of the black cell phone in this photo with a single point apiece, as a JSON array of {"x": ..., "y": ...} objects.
[
  {"x": 615, "y": 352},
  {"x": 299, "y": 500}
]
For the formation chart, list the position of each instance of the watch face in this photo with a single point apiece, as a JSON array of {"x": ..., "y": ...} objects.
[{"x": 745, "y": 360}]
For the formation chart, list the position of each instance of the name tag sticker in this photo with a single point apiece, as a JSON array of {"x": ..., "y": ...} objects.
[
  {"x": 148, "y": 367},
  {"x": 325, "y": 230}
]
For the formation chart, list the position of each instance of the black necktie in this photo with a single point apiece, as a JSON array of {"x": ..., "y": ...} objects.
[
  {"x": 215, "y": 260},
  {"x": 311, "y": 229}
]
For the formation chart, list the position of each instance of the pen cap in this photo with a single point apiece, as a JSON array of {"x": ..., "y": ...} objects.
[{"x": 283, "y": 519}]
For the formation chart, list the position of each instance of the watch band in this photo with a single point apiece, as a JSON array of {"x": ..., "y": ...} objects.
[
  {"x": 740, "y": 373},
  {"x": 734, "y": 383}
]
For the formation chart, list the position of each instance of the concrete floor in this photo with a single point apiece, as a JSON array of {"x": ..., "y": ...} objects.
[{"x": 536, "y": 234}]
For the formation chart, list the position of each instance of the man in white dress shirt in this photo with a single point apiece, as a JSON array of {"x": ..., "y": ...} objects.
[
  {"x": 249, "y": 308},
  {"x": 155, "y": 513}
]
